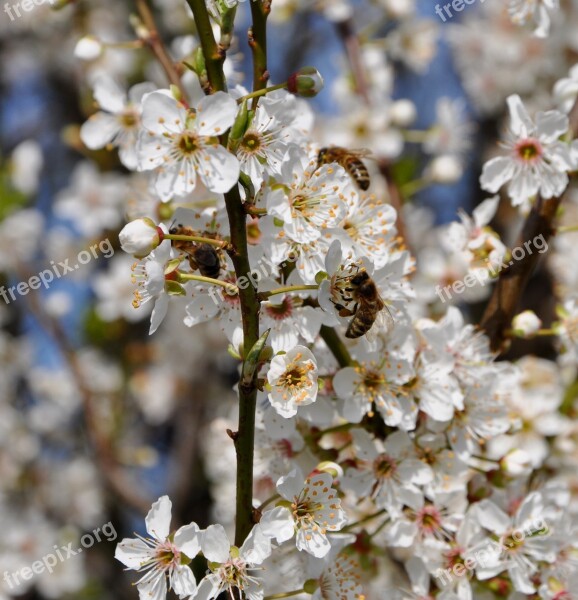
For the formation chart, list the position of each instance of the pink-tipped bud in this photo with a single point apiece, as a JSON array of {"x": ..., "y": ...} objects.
[{"x": 307, "y": 82}]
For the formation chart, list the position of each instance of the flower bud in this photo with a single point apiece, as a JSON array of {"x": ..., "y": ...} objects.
[
  {"x": 140, "y": 237},
  {"x": 402, "y": 113},
  {"x": 526, "y": 324},
  {"x": 88, "y": 48},
  {"x": 330, "y": 467},
  {"x": 516, "y": 463},
  {"x": 311, "y": 586},
  {"x": 306, "y": 82},
  {"x": 445, "y": 169}
]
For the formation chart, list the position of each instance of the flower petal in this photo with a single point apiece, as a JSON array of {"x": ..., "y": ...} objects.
[
  {"x": 215, "y": 544},
  {"x": 215, "y": 114},
  {"x": 158, "y": 520},
  {"x": 219, "y": 170}
]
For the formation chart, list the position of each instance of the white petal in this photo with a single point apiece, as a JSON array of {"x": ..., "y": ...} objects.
[
  {"x": 278, "y": 524},
  {"x": 183, "y": 581},
  {"x": 154, "y": 589},
  {"x": 99, "y": 130},
  {"x": 215, "y": 114},
  {"x": 496, "y": 172},
  {"x": 133, "y": 553},
  {"x": 290, "y": 485},
  {"x": 219, "y": 170},
  {"x": 520, "y": 123},
  {"x": 215, "y": 544},
  {"x": 257, "y": 547},
  {"x": 109, "y": 95},
  {"x": 313, "y": 542},
  {"x": 492, "y": 517},
  {"x": 209, "y": 588},
  {"x": 158, "y": 520},
  {"x": 161, "y": 113},
  {"x": 551, "y": 125},
  {"x": 159, "y": 312},
  {"x": 188, "y": 540}
]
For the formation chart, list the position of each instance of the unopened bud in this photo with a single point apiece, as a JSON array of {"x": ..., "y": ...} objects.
[
  {"x": 88, "y": 48},
  {"x": 306, "y": 82},
  {"x": 445, "y": 169},
  {"x": 526, "y": 324},
  {"x": 516, "y": 463},
  {"x": 402, "y": 113},
  {"x": 140, "y": 237},
  {"x": 330, "y": 467}
]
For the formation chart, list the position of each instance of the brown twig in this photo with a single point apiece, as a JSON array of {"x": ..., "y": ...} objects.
[
  {"x": 512, "y": 281},
  {"x": 353, "y": 51},
  {"x": 114, "y": 476},
  {"x": 155, "y": 43}
]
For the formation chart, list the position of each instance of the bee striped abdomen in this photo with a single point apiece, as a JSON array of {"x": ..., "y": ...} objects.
[
  {"x": 358, "y": 172},
  {"x": 350, "y": 161}
]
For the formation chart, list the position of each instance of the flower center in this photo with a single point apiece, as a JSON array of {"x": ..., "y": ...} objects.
[
  {"x": 129, "y": 119},
  {"x": 529, "y": 150},
  {"x": 295, "y": 377},
  {"x": 251, "y": 142},
  {"x": 429, "y": 520},
  {"x": 280, "y": 311},
  {"x": 188, "y": 143},
  {"x": 167, "y": 556},
  {"x": 384, "y": 466}
]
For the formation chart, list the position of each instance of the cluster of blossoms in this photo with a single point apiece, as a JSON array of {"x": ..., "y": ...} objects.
[{"x": 393, "y": 453}]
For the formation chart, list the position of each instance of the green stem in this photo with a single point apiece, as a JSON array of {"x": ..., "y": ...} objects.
[
  {"x": 336, "y": 429},
  {"x": 214, "y": 58},
  {"x": 567, "y": 228},
  {"x": 540, "y": 332},
  {"x": 256, "y": 94},
  {"x": 364, "y": 520},
  {"x": 337, "y": 347},
  {"x": 231, "y": 288},
  {"x": 284, "y": 595},
  {"x": 413, "y": 187},
  {"x": 195, "y": 238},
  {"x": 288, "y": 288},
  {"x": 260, "y": 10},
  {"x": 268, "y": 501}
]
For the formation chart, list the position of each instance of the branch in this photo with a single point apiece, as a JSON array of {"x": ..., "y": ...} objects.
[
  {"x": 512, "y": 281},
  {"x": 260, "y": 10},
  {"x": 155, "y": 43},
  {"x": 214, "y": 56},
  {"x": 250, "y": 306},
  {"x": 114, "y": 476},
  {"x": 353, "y": 50},
  {"x": 336, "y": 345}
]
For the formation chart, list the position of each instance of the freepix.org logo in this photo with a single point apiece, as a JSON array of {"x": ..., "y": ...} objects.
[
  {"x": 452, "y": 7},
  {"x": 15, "y": 10}
]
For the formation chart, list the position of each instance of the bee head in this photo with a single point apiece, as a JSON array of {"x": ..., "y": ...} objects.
[
  {"x": 360, "y": 278},
  {"x": 175, "y": 229},
  {"x": 322, "y": 155}
]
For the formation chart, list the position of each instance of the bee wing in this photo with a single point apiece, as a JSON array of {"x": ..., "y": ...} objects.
[
  {"x": 384, "y": 323},
  {"x": 363, "y": 153}
]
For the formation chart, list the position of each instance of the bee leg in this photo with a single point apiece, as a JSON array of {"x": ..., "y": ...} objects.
[{"x": 193, "y": 264}]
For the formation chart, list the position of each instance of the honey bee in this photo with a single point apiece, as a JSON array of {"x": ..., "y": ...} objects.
[
  {"x": 202, "y": 257},
  {"x": 369, "y": 308},
  {"x": 350, "y": 160}
]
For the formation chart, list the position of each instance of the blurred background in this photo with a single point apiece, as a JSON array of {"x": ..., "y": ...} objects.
[{"x": 97, "y": 419}]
